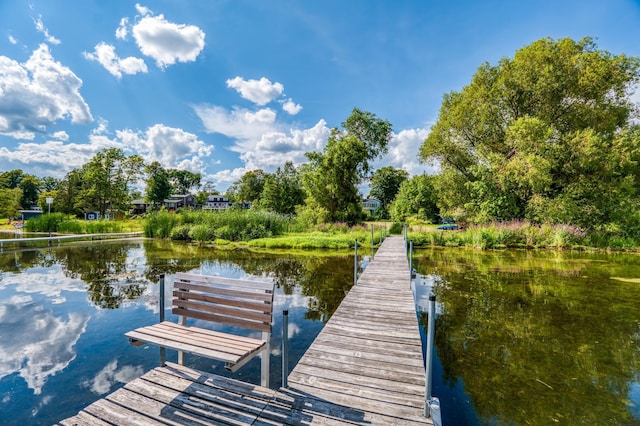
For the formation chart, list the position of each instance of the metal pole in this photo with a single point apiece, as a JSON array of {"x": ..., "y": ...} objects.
[
  {"x": 163, "y": 356},
  {"x": 285, "y": 348},
  {"x": 372, "y": 252},
  {"x": 355, "y": 265},
  {"x": 410, "y": 260},
  {"x": 431, "y": 326}
]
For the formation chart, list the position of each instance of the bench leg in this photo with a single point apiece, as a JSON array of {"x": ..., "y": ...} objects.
[{"x": 264, "y": 360}]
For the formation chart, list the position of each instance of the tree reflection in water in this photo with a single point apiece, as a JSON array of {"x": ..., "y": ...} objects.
[
  {"x": 539, "y": 337},
  {"x": 114, "y": 275}
]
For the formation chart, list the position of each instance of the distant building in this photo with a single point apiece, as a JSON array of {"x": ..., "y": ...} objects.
[
  {"x": 216, "y": 202},
  {"x": 179, "y": 201},
  {"x": 370, "y": 204},
  {"x": 92, "y": 216},
  {"x": 139, "y": 206},
  {"x": 28, "y": 214}
]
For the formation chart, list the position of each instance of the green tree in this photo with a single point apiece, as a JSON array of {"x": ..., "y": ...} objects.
[
  {"x": 106, "y": 180},
  {"x": 416, "y": 197},
  {"x": 11, "y": 179},
  {"x": 385, "y": 184},
  {"x": 10, "y": 202},
  {"x": 183, "y": 181},
  {"x": 49, "y": 183},
  {"x": 30, "y": 186},
  {"x": 249, "y": 188},
  {"x": 333, "y": 175},
  {"x": 158, "y": 183},
  {"x": 283, "y": 190},
  {"x": 67, "y": 199},
  {"x": 544, "y": 135}
]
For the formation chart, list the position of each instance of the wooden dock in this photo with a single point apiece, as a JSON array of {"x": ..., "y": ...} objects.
[
  {"x": 365, "y": 367},
  {"x": 369, "y": 355}
]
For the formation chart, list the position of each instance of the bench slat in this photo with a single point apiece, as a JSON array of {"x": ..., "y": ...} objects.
[
  {"x": 232, "y": 312},
  {"x": 250, "y": 305},
  {"x": 203, "y": 348},
  {"x": 257, "y": 295},
  {"x": 238, "y": 322},
  {"x": 232, "y": 282},
  {"x": 197, "y": 337}
]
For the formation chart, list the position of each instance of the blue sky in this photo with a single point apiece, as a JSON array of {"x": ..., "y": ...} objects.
[{"x": 223, "y": 87}]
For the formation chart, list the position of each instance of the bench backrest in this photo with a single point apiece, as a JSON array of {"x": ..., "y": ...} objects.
[{"x": 242, "y": 303}]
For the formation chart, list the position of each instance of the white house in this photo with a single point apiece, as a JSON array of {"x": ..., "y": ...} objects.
[
  {"x": 216, "y": 202},
  {"x": 370, "y": 204}
]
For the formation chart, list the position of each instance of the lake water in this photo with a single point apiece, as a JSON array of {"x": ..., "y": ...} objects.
[
  {"x": 64, "y": 312},
  {"x": 536, "y": 338},
  {"x": 522, "y": 337}
]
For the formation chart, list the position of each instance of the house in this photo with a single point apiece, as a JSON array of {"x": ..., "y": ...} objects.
[
  {"x": 216, "y": 202},
  {"x": 179, "y": 201},
  {"x": 139, "y": 206},
  {"x": 370, "y": 204}
]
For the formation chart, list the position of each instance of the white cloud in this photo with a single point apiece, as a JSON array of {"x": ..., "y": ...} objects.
[
  {"x": 170, "y": 146},
  {"x": 239, "y": 123},
  {"x": 37, "y": 93},
  {"x": 228, "y": 176},
  {"x": 61, "y": 135},
  {"x": 12, "y": 39},
  {"x": 122, "y": 30},
  {"x": 45, "y": 345},
  {"x": 105, "y": 54},
  {"x": 274, "y": 149},
  {"x": 291, "y": 107},
  {"x": 260, "y": 92},
  {"x": 111, "y": 374},
  {"x": 165, "y": 41},
  {"x": 41, "y": 28},
  {"x": 52, "y": 158},
  {"x": 142, "y": 10},
  {"x": 403, "y": 152}
]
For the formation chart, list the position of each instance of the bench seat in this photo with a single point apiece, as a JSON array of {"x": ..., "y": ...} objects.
[{"x": 230, "y": 348}]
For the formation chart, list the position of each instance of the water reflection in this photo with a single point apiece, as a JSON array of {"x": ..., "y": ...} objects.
[
  {"x": 538, "y": 337},
  {"x": 64, "y": 311},
  {"x": 44, "y": 344}
]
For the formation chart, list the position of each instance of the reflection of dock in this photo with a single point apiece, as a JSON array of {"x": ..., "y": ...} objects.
[
  {"x": 73, "y": 237},
  {"x": 365, "y": 367}
]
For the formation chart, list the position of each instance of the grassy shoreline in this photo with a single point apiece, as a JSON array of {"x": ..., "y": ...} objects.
[{"x": 265, "y": 231}]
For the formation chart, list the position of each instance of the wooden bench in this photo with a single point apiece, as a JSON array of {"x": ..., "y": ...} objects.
[{"x": 241, "y": 303}]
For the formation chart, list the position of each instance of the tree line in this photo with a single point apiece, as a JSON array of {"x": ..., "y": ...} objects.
[{"x": 551, "y": 135}]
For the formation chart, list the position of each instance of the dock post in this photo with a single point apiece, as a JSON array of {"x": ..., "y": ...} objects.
[
  {"x": 163, "y": 356},
  {"x": 372, "y": 249},
  {"x": 431, "y": 326},
  {"x": 355, "y": 264},
  {"x": 285, "y": 348},
  {"x": 410, "y": 261}
]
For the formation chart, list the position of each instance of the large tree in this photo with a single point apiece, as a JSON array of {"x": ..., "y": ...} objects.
[
  {"x": 107, "y": 179},
  {"x": 10, "y": 202},
  {"x": 283, "y": 190},
  {"x": 183, "y": 181},
  {"x": 385, "y": 184},
  {"x": 249, "y": 188},
  {"x": 416, "y": 197},
  {"x": 158, "y": 183},
  {"x": 545, "y": 135},
  {"x": 333, "y": 175}
]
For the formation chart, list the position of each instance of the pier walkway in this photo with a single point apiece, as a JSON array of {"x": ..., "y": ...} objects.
[{"x": 365, "y": 367}]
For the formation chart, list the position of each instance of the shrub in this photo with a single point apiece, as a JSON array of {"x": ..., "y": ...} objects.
[{"x": 181, "y": 232}]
